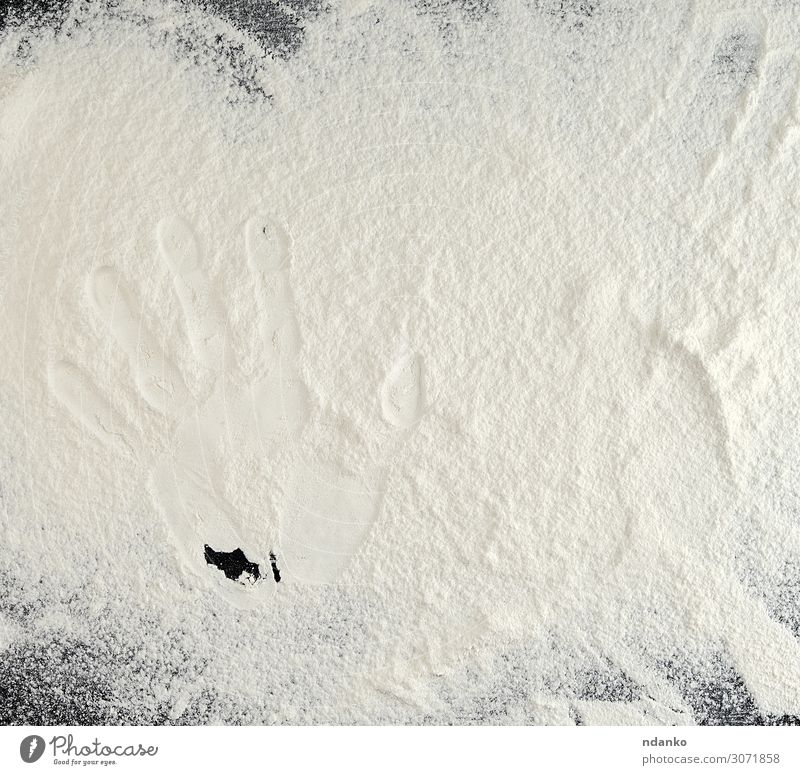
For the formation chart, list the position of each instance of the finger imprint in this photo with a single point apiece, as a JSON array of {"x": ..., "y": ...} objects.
[
  {"x": 84, "y": 400},
  {"x": 205, "y": 321},
  {"x": 268, "y": 248},
  {"x": 267, "y": 245},
  {"x": 156, "y": 377},
  {"x": 401, "y": 393}
]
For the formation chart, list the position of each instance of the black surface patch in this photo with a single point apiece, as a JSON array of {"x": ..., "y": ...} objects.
[
  {"x": 470, "y": 9},
  {"x": 736, "y": 56},
  {"x": 446, "y": 13},
  {"x": 14, "y": 602},
  {"x": 717, "y": 694},
  {"x": 53, "y": 683},
  {"x": 484, "y": 696},
  {"x": 234, "y": 565},
  {"x": 277, "y": 25},
  {"x": 39, "y": 13},
  {"x": 608, "y": 684},
  {"x": 271, "y": 29},
  {"x": 105, "y": 676},
  {"x": 571, "y": 13},
  {"x": 784, "y": 597},
  {"x": 273, "y": 561},
  {"x": 95, "y": 668}
]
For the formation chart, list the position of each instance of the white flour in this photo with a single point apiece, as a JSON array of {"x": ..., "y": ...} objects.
[{"x": 483, "y": 324}]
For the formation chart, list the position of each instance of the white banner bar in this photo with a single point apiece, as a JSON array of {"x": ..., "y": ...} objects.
[{"x": 401, "y": 750}]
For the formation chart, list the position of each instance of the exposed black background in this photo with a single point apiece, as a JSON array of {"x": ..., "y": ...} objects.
[{"x": 277, "y": 25}]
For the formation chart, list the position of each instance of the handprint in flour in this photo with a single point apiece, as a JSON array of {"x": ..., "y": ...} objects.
[{"x": 327, "y": 513}]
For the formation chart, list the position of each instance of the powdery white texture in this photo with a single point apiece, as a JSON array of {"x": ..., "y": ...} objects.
[{"x": 568, "y": 242}]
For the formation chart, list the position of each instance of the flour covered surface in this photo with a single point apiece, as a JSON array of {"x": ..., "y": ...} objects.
[{"x": 399, "y": 362}]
